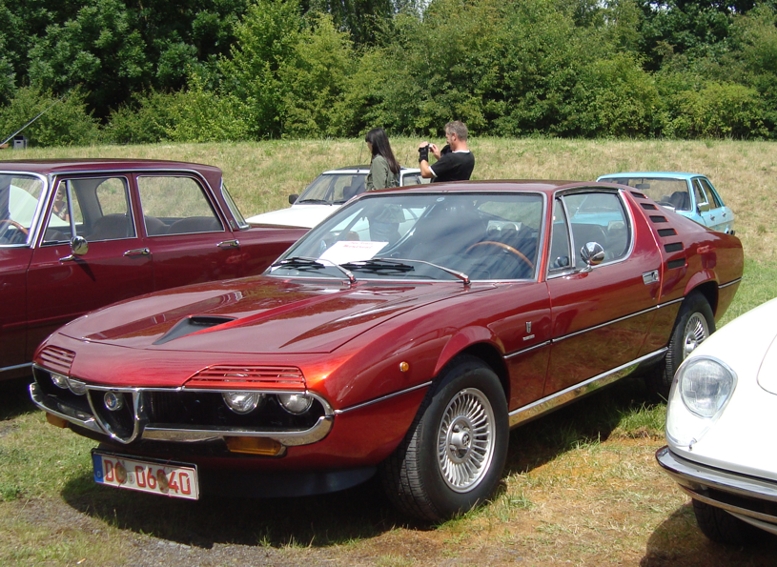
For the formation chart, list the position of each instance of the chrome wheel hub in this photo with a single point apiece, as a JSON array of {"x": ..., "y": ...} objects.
[
  {"x": 466, "y": 440},
  {"x": 696, "y": 330}
]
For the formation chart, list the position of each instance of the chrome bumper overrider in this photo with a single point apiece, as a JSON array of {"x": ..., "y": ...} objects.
[
  {"x": 750, "y": 499},
  {"x": 146, "y": 430}
]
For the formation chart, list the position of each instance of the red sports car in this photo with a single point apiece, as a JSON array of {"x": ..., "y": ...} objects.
[
  {"x": 76, "y": 235},
  {"x": 404, "y": 335}
]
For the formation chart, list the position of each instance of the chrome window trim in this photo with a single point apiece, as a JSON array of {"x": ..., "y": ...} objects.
[{"x": 35, "y": 222}]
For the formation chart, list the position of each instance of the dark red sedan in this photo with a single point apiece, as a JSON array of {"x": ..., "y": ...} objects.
[
  {"x": 76, "y": 235},
  {"x": 403, "y": 336}
]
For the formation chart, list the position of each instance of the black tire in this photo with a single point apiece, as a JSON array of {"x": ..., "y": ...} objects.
[
  {"x": 695, "y": 322},
  {"x": 454, "y": 453},
  {"x": 720, "y": 526}
]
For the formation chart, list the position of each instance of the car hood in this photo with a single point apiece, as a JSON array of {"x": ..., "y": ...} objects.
[
  {"x": 306, "y": 216},
  {"x": 767, "y": 374},
  {"x": 256, "y": 315}
]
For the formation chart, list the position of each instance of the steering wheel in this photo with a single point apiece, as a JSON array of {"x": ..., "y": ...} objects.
[
  {"x": 504, "y": 246},
  {"x": 16, "y": 225}
]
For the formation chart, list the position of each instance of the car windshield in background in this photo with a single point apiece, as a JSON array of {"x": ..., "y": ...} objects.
[
  {"x": 337, "y": 188},
  {"x": 665, "y": 191},
  {"x": 423, "y": 236}
]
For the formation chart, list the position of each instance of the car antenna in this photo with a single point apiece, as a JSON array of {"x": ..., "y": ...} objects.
[{"x": 41, "y": 113}]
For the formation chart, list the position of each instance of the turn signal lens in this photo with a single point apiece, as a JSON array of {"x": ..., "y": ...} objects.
[
  {"x": 242, "y": 402},
  {"x": 295, "y": 404},
  {"x": 254, "y": 446}
]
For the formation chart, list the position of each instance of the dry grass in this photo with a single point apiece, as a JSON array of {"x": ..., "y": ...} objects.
[
  {"x": 581, "y": 486},
  {"x": 262, "y": 175}
]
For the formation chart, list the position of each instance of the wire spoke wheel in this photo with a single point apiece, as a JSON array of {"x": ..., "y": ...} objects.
[
  {"x": 696, "y": 331},
  {"x": 466, "y": 440}
]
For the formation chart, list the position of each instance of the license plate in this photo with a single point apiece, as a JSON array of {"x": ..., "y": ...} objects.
[{"x": 167, "y": 479}]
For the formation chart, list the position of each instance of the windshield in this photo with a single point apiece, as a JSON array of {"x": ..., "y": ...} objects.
[
  {"x": 423, "y": 236},
  {"x": 665, "y": 191},
  {"x": 19, "y": 196},
  {"x": 333, "y": 188}
]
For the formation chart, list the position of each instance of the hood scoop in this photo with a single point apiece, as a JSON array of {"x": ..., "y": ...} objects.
[{"x": 191, "y": 325}]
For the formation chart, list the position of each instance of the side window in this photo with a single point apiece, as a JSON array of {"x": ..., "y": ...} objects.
[
  {"x": 175, "y": 205},
  {"x": 95, "y": 207},
  {"x": 702, "y": 203},
  {"x": 712, "y": 197},
  {"x": 601, "y": 218},
  {"x": 560, "y": 254}
]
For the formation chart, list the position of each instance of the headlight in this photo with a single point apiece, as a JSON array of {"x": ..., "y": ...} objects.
[
  {"x": 59, "y": 380},
  {"x": 76, "y": 386},
  {"x": 242, "y": 402},
  {"x": 703, "y": 386},
  {"x": 295, "y": 404}
]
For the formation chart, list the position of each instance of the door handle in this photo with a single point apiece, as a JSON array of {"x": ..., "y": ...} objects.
[
  {"x": 138, "y": 252},
  {"x": 229, "y": 244}
]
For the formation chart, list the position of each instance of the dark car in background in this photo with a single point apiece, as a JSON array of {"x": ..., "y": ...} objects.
[{"x": 76, "y": 235}]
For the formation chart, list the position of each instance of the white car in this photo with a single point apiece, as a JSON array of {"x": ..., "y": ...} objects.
[
  {"x": 326, "y": 194},
  {"x": 720, "y": 418}
]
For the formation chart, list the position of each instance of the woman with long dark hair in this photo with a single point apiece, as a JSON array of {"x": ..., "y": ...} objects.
[{"x": 384, "y": 167}]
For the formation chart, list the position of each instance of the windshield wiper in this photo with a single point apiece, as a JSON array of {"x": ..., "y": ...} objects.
[
  {"x": 400, "y": 265},
  {"x": 305, "y": 263},
  {"x": 317, "y": 201},
  {"x": 377, "y": 265}
]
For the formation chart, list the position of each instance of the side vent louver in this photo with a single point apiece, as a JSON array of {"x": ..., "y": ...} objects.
[
  {"x": 673, "y": 247},
  {"x": 664, "y": 232},
  {"x": 658, "y": 218},
  {"x": 649, "y": 206},
  {"x": 671, "y": 265}
]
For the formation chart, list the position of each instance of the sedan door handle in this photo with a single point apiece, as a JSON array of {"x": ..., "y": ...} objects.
[
  {"x": 138, "y": 252},
  {"x": 229, "y": 244}
]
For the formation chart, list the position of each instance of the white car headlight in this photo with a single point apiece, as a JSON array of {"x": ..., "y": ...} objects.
[
  {"x": 242, "y": 402},
  {"x": 702, "y": 388},
  {"x": 705, "y": 385}
]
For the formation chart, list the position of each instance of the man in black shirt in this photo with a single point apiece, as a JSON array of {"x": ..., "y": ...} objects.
[{"x": 454, "y": 162}]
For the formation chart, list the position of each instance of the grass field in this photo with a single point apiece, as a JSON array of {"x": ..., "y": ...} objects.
[{"x": 581, "y": 487}]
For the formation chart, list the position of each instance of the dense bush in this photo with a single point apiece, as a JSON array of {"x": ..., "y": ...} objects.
[
  {"x": 255, "y": 69},
  {"x": 63, "y": 121}
]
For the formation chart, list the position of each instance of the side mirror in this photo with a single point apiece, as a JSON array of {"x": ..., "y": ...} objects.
[
  {"x": 592, "y": 254},
  {"x": 78, "y": 247},
  {"x": 293, "y": 198}
]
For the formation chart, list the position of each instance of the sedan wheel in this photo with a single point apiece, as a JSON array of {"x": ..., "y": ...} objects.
[{"x": 454, "y": 452}]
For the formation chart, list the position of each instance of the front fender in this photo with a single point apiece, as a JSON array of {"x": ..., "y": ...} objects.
[{"x": 463, "y": 339}]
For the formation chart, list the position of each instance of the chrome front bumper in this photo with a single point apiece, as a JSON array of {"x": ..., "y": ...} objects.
[{"x": 752, "y": 500}]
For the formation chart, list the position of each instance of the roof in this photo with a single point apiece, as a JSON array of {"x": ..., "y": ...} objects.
[
  {"x": 486, "y": 186},
  {"x": 654, "y": 174},
  {"x": 80, "y": 165}
]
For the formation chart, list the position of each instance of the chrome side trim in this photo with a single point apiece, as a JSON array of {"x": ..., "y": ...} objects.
[
  {"x": 618, "y": 320},
  {"x": 563, "y": 397},
  {"x": 696, "y": 479},
  {"x": 732, "y": 282},
  {"x": 526, "y": 350},
  {"x": 384, "y": 398}
]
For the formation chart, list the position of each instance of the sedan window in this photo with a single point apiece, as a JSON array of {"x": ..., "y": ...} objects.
[
  {"x": 97, "y": 208},
  {"x": 176, "y": 205}
]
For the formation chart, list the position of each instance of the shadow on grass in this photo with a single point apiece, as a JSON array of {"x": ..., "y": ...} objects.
[
  {"x": 15, "y": 398},
  {"x": 362, "y": 512},
  {"x": 317, "y": 521},
  {"x": 678, "y": 541},
  {"x": 589, "y": 420}
]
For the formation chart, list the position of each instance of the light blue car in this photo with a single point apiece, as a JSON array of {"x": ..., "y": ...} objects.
[{"x": 689, "y": 194}]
